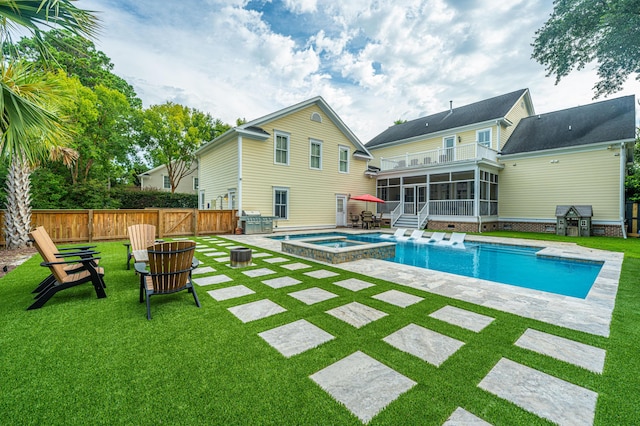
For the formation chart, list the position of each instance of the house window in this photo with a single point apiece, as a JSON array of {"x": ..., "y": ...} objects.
[
  {"x": 166, "y": 182},
  {"x": 281, "y": 203},
  {"x": 195, "y": 183},
  {"x": 281, "y": 148},
  {"x": 484, "y": 137},
  {"x": 343, "y": 166},
  {"x": 315, "y": 154}
]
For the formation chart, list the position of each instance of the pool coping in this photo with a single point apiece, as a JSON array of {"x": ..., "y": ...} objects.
[{"x": 591, "y": 315}]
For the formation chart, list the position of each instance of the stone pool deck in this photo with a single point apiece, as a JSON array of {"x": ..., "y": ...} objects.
[{"x": 591, "y": 315}]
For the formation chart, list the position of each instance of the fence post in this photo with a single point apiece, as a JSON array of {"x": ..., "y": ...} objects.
[
  {"x": 195, "y": 222},
  {"x": 90, "y": 224}
]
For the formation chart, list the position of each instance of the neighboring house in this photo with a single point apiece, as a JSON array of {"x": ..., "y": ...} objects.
[
  {"x": 495, "y": 164},
  {"x": 158, "y": 178},
  {"x": 300, "y": 164}
]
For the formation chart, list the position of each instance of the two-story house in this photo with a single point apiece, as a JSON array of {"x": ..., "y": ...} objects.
[{"x": 300, "y": 164}]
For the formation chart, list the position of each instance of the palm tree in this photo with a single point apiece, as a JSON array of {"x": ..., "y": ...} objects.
[{"x": 30, "y": 129}]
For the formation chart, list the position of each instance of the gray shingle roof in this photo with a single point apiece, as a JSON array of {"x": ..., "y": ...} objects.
[
  {"x": 582, "y": 211},
  {"x": 488, "y": 109},
  {"x": 606, "y": 121}
]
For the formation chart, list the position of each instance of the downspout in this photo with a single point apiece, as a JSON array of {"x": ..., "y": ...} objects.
[
  {"x": 476, "y": 196},
  {"x": 239, "y": 195},
  {"x": 623, "y": 166}
]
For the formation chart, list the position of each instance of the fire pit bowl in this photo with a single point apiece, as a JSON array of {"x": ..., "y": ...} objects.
[{"x": 240, "y": 257}]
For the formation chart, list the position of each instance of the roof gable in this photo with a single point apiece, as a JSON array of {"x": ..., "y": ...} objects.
[
  {"x": 605, "y": 121},
  {"x": 478, "y": 112}
]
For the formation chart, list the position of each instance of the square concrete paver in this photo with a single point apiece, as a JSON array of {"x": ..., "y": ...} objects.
[
  {"x": 230, "y": 292},
  {"x": 203, "y": 270},
  {"x": 296, "y": 266},
  {"x": 204, "y": 250},
  {"x": 356, "y": 314},
  {"x": 216, "y": 253},
  {"x": 258, "y": 272},
  {"x": 225, "y": 244},
  {"x": 461, "y": 417},
  {"x": 277, "y": 260},
  {"x": 398, "y": 298},
  {"x": 313, "y": 295},
  {"x": 222, "y": 259},
  {"x": 322, "y": 273},
  {"x": 576, "y": 353},
  {"x": 462, "y": 318},
  {"x": 213, "y": 279},
  {"x": 428, "y": 345},
  {"x": 256, "y": 310},
  {"x": 260, "y": 254},
  {"x": 296, "y": 337},
  {"x": 541, "y": 394},
  {"x": 353, "y": 284},
  {"x": 364, "y": 385},
  {"x": 281, "y": 282}
]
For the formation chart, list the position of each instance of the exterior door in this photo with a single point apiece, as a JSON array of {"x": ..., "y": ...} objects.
[
  {"x": 449, "y": 149},
  {"x": 410, "y": 200},
  {"x": 341, "y": 210}
]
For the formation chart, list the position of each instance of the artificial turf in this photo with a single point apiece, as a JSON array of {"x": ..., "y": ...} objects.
[{"x": 83, "y": 360}]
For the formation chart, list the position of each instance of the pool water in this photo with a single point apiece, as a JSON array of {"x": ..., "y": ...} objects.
[
  {"x": 337, "y": 243},
  {"x": 514, "y": 265}
]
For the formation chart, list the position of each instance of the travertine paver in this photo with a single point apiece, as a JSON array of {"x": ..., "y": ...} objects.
[
  {"x": 256, "y": 310},
  {"x": 260, "y": 254},
  {"x": 321, "y": 273},
  {"x": 353, "y": 284},
  {"x": 428, "y": 345},
  {"x": 233, "y": 247},
  {"x": 230, "y": 292},
  {"x": 296, "y": 266},
  {"x": 313, "y": 295},
  {"x": 277, "y": 260},
  {"x": 576, "y": 353},
  {"x": 356, "y": 314},
  {"x": 364, "y": 385},
  {"x": 216, "y": 253},
  {"x": 296, "y": 337},
  {"x": 222, "y": 259},
  {"x": 398, "y": 298},
  {"x": 462, "y": 318},
  {"x": 546, "y": 396},
  {"x": 213, "y": 279},
  {"x": 258, "y": 272},
  {"x": 202, "y": 270},
  {"x": 225, "y": 244},
  {"x": 204, "y": 250},
  {"x": 281, "y": 282},
  {"x": 462, "y": 417}
]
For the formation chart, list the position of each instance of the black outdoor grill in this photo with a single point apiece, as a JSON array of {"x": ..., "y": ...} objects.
[{"x": 252, "y": 222}]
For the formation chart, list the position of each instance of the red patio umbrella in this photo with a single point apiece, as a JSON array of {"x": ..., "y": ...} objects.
[{"x": 367, "y": 198}]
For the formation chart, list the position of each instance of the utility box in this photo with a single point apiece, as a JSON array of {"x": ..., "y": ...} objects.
[{"x": 574, "y": 221}]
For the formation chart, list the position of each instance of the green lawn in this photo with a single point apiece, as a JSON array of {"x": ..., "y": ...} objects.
[{"x": 81, "y": 360}]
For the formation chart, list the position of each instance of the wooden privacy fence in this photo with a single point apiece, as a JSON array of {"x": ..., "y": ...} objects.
[{"x": 71, "y": 226}]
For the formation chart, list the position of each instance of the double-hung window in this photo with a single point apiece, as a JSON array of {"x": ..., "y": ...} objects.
[
  {"x": 166, "y": 182},
  {"x": 343, "y": 161},
  {"x": 281, "y": 202},
  {"x": 315, "y": 154},
  {"x": 195, "y": 183},
  {"x": 281, "y": 151},
  {"x": 484, "y": 137}
]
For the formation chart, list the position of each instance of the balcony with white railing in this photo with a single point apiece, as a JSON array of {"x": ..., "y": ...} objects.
[{"x": 472, "y": 151}]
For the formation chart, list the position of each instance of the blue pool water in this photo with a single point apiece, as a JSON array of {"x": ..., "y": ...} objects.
[{"x": 514, "y": 265}]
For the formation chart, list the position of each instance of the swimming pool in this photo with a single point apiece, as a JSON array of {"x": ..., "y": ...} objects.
[{"x": 513, "y": 265}]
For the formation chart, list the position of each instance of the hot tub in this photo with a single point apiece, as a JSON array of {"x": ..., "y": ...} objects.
[{"x": 338, "y": 249}]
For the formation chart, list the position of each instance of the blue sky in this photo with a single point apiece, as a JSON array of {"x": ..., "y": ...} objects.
[{"x": 374, "y": 61}]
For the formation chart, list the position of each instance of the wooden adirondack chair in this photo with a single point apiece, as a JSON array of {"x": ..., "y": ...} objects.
[
  {"x": 60, "y": 278},
  {"x": 40, "y": 236},
  {"x": 141, "y": 237},
  {"x": 169, "y": 271}
]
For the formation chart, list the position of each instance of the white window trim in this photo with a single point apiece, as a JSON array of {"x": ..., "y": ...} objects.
[
  {"x": 342, "y": 148},
  {"x": 275, "y": 147},
  {"x": 490, "y": 136},
  {"x": 444, "y": 141},
  {"x": 311, "y": 143},
  {"x": 283, "y": 189},
  {"x": 168, "y": 180}
]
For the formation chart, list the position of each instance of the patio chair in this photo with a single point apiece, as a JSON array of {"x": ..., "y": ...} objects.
[
  {"x": 141, "y": 237},
  {"x": 86, "y": 270},
  {"x": 367, "y": 220},
  {"x": 40, "y": 236},
  {"x": 456, "y": 239},
  {"x": 355, "y": 219},
  {"x": 169, "y": 271},
  {"x": 436, "y": 237},
  {"x": 377, "y": 220},
  {"x": 416, "y": 234}
]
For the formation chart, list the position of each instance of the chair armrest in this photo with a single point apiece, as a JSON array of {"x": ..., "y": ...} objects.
[
  {"x": 81, "y": 248},
  {"x": 195, "y": 263},
  {"x": 80, "y": 254},
  {"x": 141, "y": 268},
  {"x": 83, "y": 260}
]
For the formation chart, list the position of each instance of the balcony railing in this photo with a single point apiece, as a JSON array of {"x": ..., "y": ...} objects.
[
  {"x": 451, "y": 208},
  {"x": 472, "y": 151}
]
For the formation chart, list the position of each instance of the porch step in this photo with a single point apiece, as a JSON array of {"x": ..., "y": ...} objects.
[{"x": 407, "y": 221}]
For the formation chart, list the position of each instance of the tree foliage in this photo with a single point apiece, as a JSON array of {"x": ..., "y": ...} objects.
[
  {"x": 580, "y": 32},
  {"x": 172, "y": 133}
]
